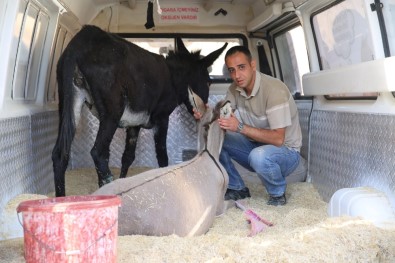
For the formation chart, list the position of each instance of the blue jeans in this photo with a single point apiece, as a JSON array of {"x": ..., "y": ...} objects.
[{"x": 271, "y": 163}]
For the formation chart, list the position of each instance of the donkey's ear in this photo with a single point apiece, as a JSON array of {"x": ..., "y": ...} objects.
[
  {"x": 210, "y": 58},
  {"x": 180, "y": 47}
]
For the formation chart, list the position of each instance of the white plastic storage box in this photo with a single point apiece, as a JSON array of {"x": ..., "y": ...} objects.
[{"x": 365, "y": 202}]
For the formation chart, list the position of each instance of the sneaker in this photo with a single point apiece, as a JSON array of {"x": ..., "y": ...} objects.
[
  {"x": 237, "y": 194},
  {"x": 277, "y": 200}
]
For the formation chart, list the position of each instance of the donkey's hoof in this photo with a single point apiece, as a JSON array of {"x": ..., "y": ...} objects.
[{"x": 106, "y": 180}]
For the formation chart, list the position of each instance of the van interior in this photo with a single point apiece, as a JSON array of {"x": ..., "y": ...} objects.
[{"x": 336, "y": 57}]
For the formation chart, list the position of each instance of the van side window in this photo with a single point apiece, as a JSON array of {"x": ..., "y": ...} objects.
[
  {"x": 159, "y": 45},
  {"x": 389, "y": 18},
  {"x": 218, "y": 72},
  {"x": 63, "y": 37},
  {"x": 343, "y": 37},
  {"x": 293, "y": 62},
  {"x": 32, "y": 36}
]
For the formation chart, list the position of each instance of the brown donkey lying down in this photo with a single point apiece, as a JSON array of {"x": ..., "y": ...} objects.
[{"x": 182, "y": 199}]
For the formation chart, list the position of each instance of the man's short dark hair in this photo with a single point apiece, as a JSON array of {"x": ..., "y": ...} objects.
[{"x": 242, "y": 49}]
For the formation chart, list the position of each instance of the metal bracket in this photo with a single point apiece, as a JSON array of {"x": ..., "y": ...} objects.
[{"x": 376, "y": 6}]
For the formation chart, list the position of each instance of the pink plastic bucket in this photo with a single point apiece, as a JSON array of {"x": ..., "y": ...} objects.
[{"x": 71, "y": 229}]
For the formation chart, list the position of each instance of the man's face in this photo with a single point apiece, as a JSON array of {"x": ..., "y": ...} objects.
[{"x": 241, "y": 70}]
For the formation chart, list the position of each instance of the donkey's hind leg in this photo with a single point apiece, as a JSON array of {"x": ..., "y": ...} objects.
[
  {"x": 71, "y": 100},
  {"x": 101, "y": 150}
]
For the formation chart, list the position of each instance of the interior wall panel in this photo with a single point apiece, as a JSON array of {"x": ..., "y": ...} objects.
[{"x": 352, "y": 150}]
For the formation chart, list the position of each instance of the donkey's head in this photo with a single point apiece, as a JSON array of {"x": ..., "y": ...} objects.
[
  {"x": 190, "y": 69},
  {"x": 209, "y": 122},
  {"x": 213, "y": 135}
]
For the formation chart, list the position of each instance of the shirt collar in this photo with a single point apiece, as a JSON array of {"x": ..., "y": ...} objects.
[{"x": 255, "y": 89}]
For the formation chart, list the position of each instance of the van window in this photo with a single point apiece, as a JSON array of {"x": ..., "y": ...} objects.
[
  {"x": 218, "y": 71},
  {"x": 158, "y": 45},
  {"x": 33, "y": 32},
  {"x": 342, "y": 38},
  {"x": 292, "y": 57},
  {"x": 389, "y": 16},
  {"x": 63, "y": 37},
  {"x": 154, "y": 44}
]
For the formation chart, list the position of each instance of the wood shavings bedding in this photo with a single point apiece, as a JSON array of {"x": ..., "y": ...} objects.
[{"x": 302, "y": 232}]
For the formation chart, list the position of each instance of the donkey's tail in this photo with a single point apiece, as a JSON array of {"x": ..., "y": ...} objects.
[{"x": 67, "y": 126}]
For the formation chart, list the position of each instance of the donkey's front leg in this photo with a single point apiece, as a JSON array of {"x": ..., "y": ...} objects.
[
  {"x": 101, "y": 150},
  {"x": 160, "y": 136},
  {"x": 132, "y": 134}
]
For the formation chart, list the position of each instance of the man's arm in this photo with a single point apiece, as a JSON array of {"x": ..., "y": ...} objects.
[{"x": 274, "y": 137}]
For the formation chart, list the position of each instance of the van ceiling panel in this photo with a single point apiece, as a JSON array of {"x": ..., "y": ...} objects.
[
  {"x": 86, "y": 10},
  {"x": 270, "y": 14},
  {"x": 244, "y": 2}
]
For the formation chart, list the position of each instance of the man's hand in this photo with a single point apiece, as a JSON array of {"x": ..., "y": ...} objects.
[{"x": 230, "y": 123}]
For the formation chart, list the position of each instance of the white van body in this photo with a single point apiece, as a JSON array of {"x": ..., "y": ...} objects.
[{"x": 340, "y": 68}]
